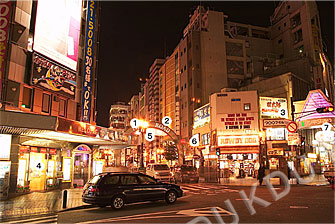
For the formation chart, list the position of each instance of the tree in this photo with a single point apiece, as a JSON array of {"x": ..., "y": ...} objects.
[{"x": 171, "y": 152}]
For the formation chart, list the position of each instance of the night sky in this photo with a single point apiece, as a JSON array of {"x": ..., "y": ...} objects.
[{"x": 133, "y": 34}]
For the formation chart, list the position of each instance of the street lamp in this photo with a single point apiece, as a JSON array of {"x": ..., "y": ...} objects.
[{"x": 143, "y": 125}]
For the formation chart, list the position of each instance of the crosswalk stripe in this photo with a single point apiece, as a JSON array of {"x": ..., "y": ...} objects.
[{"x": 47, "y": 219}]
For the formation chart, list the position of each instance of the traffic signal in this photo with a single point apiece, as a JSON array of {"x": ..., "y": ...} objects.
[
  {"x": 218, "y": 152},
  {"x": 325, "y": 109}
]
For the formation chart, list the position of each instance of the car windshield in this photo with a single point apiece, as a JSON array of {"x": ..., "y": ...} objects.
[
  {"x": 161, "y": 167},
  {"x": 187, "y": 168},
  {"x": 94, "y": 180}
]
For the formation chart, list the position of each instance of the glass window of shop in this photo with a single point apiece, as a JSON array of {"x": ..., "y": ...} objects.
[
  {"x": 38, "y": 169},
  {"x": 239, "y": 165}
]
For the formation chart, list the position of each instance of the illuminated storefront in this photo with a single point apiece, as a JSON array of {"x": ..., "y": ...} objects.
[
  {"x": 52, "y": 152},
  {"x": 317, "y": 132}
]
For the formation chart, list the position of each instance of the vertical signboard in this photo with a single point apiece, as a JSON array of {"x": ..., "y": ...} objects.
[
  {"x": 88, "y": 69},
  {"x": 4, "y": 25}
]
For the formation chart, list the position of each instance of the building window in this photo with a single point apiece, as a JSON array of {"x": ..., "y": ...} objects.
[
  {"x": 62, "y": 107},
  {"x": 205, "y": 139},
  {"x": 278, "y": 27},
  {"x": 247, "y": 106},
  {"x": 185, "y": 68},
  {"x": 181, "y": 53},
  {"x": 26, "y": 100},
  {"x": 298, "y": 36},
  {"x": 184, "y": 49},
  {"x": 46, "y": 103},
  {"x": 181, "y": 88},
  {"x": 284, "y": 24},
  {"x": 280, "y": 41},
  {"x": 185, "y": 86},
  {"x": 181, "y": 71}
]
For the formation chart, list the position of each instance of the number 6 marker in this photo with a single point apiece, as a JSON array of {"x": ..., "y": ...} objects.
[{"x": 194, "y": 140}]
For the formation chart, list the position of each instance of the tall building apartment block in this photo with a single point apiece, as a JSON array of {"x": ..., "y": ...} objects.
[{"x": 216, "y": 54}]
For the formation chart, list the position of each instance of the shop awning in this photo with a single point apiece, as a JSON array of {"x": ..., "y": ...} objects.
[
  {"x": 55, "y": 128},
  {"x": 315, "y": 99}
]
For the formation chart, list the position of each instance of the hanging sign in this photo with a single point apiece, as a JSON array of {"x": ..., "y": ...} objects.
[
  {"x": 89, "y": 62},
  {"x": 293, "y": 139},
  {"x": 5, "y": 9}
]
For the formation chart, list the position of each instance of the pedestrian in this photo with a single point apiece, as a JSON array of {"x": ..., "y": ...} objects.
[
  {"x": 256, "y": 167},
  {"x": 261, "y": 174}
]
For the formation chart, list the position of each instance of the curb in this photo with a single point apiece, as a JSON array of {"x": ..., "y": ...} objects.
[{"x": 76, "y": 208}]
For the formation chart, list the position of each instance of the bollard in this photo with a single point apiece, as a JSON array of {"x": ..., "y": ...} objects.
[{"x": 64, "y": 198}]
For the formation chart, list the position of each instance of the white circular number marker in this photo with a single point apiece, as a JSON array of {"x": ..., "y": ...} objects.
[
  {"x": 326, "y": 127},
  {"x": 39, "y": 166},
  {"x": 166, "y": 120},
  {"x": 194, "y": 140},
  {"x": 149, "y": 135},
  {"x": 134, "y": 123}
]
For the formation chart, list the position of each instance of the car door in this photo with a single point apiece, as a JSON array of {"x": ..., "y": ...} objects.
[
  {"x": 109, "y": 186},
  {"x": 130, "y": 187},
  {"x": 151, "y": 188}
]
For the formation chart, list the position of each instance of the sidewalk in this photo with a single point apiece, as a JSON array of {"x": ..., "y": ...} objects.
[
  {"x": 37, "y": 203},
  {"x": 318, "y": 180}
]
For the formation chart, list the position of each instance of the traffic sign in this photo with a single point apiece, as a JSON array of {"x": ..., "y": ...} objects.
[{"x": 292, "y": 127}]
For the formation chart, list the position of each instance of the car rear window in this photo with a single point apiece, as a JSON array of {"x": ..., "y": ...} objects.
[
  {"x": 161, "y": 167},
  {"x": 188, "y": 168},
  {"x": 94, "y": 180}
]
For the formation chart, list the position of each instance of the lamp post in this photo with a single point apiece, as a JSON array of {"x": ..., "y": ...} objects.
[{"x": 143, "y": 125}]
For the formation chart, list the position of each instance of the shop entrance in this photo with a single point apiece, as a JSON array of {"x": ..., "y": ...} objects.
[
  {"x": 37, "y": 171},
  {"x": 81, "y": 166}
]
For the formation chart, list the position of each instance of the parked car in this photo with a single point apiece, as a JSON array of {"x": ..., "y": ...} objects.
[
  {"x": 118, "y": 189},
  {"x": 160, "y": 172},
  {"x": 185, "y": 173}
]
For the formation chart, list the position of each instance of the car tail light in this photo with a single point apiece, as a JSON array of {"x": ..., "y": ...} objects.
[{"x": 94, "y": 190}]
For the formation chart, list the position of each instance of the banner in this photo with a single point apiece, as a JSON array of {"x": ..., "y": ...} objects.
[
  {"x": 88, "y": 69},
  {"x": 53, "y": 77},
  {"x": 273, "y": 107},
  {"x": 5, "y": 8}
]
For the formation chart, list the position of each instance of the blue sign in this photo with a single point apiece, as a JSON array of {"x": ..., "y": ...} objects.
[{"x": 88, "y": 69}]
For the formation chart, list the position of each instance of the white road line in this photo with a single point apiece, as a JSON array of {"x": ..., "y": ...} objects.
[
  {"x": 294, "y": 206},
  {"x": 47, "y": 219}
]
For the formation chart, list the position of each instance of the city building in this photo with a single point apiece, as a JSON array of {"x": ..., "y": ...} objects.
[{"x": 48, "y": 91}]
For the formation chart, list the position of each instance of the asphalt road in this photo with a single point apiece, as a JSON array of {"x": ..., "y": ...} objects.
[{"x": 302, "y": 204}]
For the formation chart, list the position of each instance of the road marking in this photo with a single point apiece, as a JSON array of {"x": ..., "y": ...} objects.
[
  {"x": 173, "y": 214},
  {"x": 45, "y": 219},
  {"x": 297, "y": 206}
]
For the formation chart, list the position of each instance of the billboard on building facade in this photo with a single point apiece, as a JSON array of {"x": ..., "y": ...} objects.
[
  {"x": 5, "y": 7},
  {"x": 57, "y": 30},
  {"x": 271, "y": 107},
  {"x": 53, "y": 77},
  {"x": 89, "y": 47},
  {"x": 201, "y": 116}
]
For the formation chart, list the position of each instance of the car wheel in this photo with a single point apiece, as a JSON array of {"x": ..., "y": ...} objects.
[
  {"x": 171, "y": 197},
  {"x": 118, "y": 202}
]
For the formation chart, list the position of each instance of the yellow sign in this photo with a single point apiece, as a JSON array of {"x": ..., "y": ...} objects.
[
  {"x": 246, "y": 140},
  {"x": 275, "y": 152}
]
